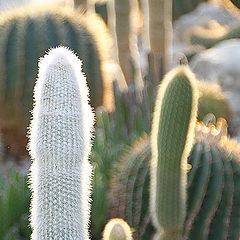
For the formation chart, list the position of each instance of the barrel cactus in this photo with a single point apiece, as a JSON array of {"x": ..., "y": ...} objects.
[
  {"x": 60, "y": 142},
  {"x": 25, "y": 35},
  {"x": 210, "y": 208}
]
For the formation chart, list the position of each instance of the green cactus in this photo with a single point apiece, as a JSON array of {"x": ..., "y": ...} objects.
[
  {"x": 25, "y": 35},
  {"x": 208, "y": 40},
  {"x": 183, "y": 205},
  {"x": 171, "y": 137},
  {"x": 212, "y": 187}
]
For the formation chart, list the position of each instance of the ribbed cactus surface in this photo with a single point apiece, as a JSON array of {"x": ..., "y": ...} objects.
[
  {"x": 212, "y": 187},
  {"x": 25, "y": 35},
  {"x": 60, "y": 142},
  {"x": 171, "y": 141},
  {"x": 212, "y": 100}
]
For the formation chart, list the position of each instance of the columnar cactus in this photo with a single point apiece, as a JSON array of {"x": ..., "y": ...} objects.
[
  {"x": 202, "y": 205},
  {"x": 60, "y": 142},
  {"x": 25, "y": 35},
  {"x": 117, "y": 229},
  {"x": 160, "y": 32},
  {"x": 171, "y": 141},
  {"x": 212, "y": 186}
]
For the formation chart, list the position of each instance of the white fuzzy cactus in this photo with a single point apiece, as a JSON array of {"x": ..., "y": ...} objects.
[{"x": 60, "y": 143}]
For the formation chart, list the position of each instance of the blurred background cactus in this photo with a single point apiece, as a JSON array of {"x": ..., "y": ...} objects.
[
  {"x": 213, "y": 159},
  {"x": 25, "y": 35}
]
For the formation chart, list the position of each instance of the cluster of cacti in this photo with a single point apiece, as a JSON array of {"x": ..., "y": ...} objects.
[
  {"x": 212, "y": 100},
  {"x": 60, "y": 143},
  {"x": 115, "y": 131},
  {"x": 202, "y": 206},
  {"x": 25, "y": 35},
  {"x": 201, "y": 38}
]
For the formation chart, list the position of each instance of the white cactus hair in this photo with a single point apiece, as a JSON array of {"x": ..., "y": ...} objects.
[{"x": 60, "y": 142}]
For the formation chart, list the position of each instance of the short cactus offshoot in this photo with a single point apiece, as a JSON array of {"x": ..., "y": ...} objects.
[
  {"x": 60, "y": 142},
  {"x": 117, "y": 229}
]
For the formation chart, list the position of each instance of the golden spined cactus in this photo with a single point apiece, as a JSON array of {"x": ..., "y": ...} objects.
[
  {"x": 160, "y": 28},
  {"x": 117, "y": 229}
]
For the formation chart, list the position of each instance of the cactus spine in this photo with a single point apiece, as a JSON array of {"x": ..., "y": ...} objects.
[
  {"x": 172, "y": 135},
  {"x": 60, "y": 142},
  {"x": 117, "y": 229},
  {"x": 25, "y": 35}
]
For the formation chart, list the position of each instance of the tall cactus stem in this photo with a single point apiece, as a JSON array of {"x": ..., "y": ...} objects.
[
  {"x": 171, "y": 141},
  {"x": 60, "y": 143}
]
